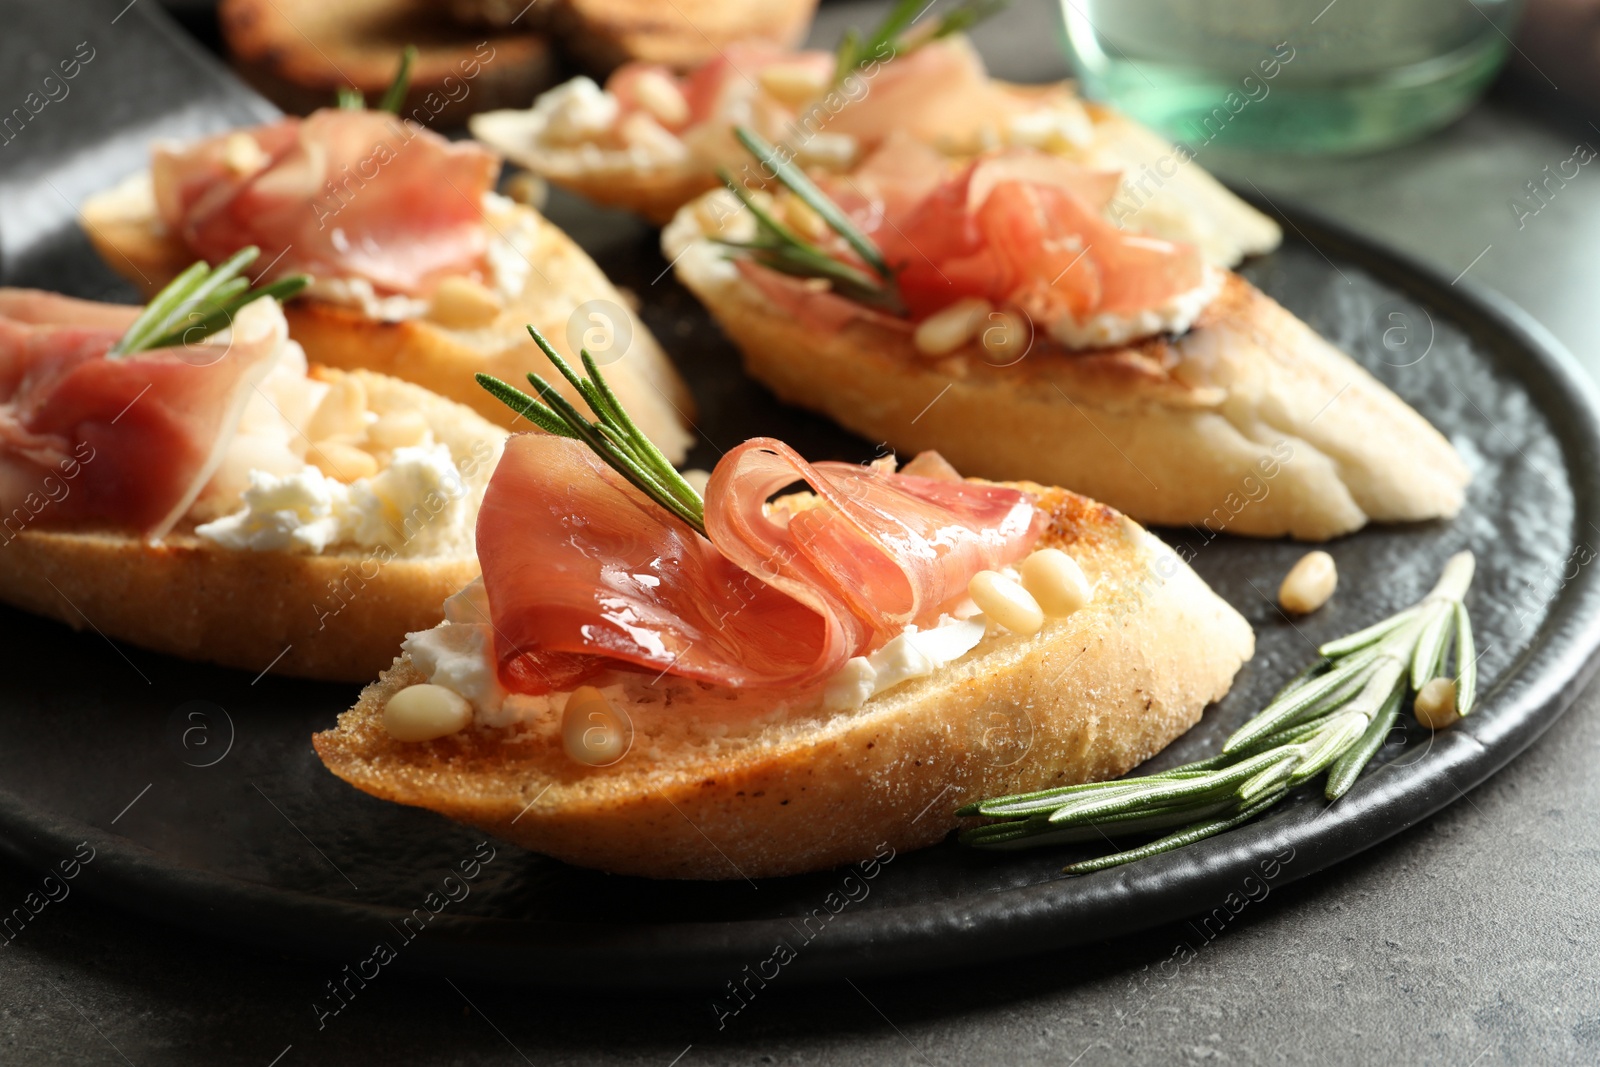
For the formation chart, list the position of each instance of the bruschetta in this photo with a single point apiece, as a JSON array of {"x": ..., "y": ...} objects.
[
  {"x": 299, "y": 53},
  {"x": 651, "y": 140},
  {"x": 602, "y": 34},
  {"x": 215, "y": 499},
  {"x": 1003, "y": 321},
  {"x": 419, "y": 269},
  {"x": 677, "y": 686}
]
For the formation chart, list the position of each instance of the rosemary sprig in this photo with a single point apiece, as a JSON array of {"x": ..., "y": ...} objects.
[
  {"x": 890, "y": 38},
  {"x": 1333, "y": 717},
  {"x": 394, "y": 97},
  {"x": 795, "y": 180},
  {"x": 778, "y": 247},
  {"x": 349, "y": 98},
  {"x": 198, "y": 303},
  {"x": 615, "y": 437}
]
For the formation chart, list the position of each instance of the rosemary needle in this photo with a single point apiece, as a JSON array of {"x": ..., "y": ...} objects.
[
  {"x": 198, "y": 303},
  {"x": 1333, "y": 717},
  {"x": 394, "y": 97},
  {"x": 613, "y": 436},
  {"x": 895, "y": 35},
  {"x": 349, "y": 98}
]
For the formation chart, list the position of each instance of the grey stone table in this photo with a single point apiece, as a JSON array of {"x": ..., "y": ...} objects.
[{"x": 1469, "y": 940}]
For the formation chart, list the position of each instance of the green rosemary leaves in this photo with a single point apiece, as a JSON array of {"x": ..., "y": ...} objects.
[
  {"x": 615, "y": 438},
  {"x": 777, "y": 247},
  {"x": 349, "y": 98},
  {"x": 896, "y": 35},
  {"x": 1332, "y": 718},
  {"x": 198, "y": 303}
]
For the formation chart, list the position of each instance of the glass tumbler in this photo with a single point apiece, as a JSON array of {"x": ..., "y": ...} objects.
[{"x": 1289, "y": 75}]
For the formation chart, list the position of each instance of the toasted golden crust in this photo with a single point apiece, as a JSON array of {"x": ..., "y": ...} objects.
[
  {"x": 189, "y": 598},
  {"x": 299, "y": 53},
  {"x": 1088, "y": 698},
  {"x": 562, "y": 279},
  {"x": 604, "y": 34},
  {"x": 1249, "y": 423},
  {"x": 336, "y": 616}
]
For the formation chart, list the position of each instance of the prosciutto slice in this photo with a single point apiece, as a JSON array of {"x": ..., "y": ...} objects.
[
  {"x": 940, "y": 94},
  {"x": 1019, "y": 228},
  {"x": 584, "y": 573},
  {"x": 340, "y": 194},
  {"x": 125, "y": 442}
]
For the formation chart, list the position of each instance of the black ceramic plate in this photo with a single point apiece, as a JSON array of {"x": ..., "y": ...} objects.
[{"x": 205, "y": 806}]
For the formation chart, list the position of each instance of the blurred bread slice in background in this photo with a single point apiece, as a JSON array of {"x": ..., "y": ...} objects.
[
  {"x": 300, "y": 53},
  {"x": 603, "y": 34},
  {"x": 501, "y": 14}
]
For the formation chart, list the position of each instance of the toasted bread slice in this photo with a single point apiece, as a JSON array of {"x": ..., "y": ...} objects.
[
  {"x": 712, "y": 790},
  {"x": 1250, "y": 422},
  {"x": 336, "y": 615},
  {"x": 651, "y": 187},
  {"x": 299, "y": 53},
  {"x": 1163, "y": 191},
  {"x": 563, "y": 291}
]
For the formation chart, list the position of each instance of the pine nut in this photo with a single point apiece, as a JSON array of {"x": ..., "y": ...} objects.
[
  {"x": 340, "y": 461},
  {"x": 793, "y": 83},
  {"x": 1435, "y": 705},
  {"x": 343, "y": 410},
  {"x": 806, "y": 222},
  {"x": 425, "y": 712},
  {"x": 399, "y": 429},
  {"x": 243, "y": 155},
  {"x": 661, "y": 97},
  {"x": 526, "y": 187},
  {"x": 1006, "y": 338},
  {"x": 592, "y": 731},
  {"x": 1056, "y": 582},
  {"x": 1309, "y": 583},
  {"x": 835, "y": 151},
  {"x": 949, "y": 328},
  {"x": 1005, "y": 602},
  {"x": 459, "y": 303}
]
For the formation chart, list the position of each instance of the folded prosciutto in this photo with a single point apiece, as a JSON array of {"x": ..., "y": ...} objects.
[
  {"x": 584, "y": 573},
  {"x": 127, "y": 442},
  {"x": 1019, "y": 228},
  {"x": 349, "y": 194}
]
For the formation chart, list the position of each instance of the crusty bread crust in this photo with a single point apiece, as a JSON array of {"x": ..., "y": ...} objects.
[
  {"x": 189, "y": 598},
  {"x": 299, "y": 53},
  {"x": 1249, "y": 423},
  {"x": 122, "y": 225},
  {"x": 336, "y": 616},
  {"x": 1088, "y": 698}
]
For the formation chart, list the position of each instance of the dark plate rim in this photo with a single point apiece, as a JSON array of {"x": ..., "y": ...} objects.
[{"x": 987, "y": 927}]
